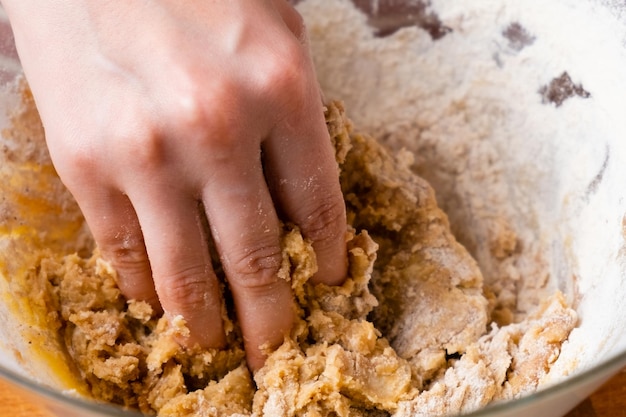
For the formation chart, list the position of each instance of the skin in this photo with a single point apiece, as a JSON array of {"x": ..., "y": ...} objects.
[{"x": 162, "y": 116}]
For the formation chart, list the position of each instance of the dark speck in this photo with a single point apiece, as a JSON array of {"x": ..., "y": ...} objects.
[
  {"x": 518, "y": 36},
  {"x": 391, "y": 15},
  {"x": 560, "y": 89}
]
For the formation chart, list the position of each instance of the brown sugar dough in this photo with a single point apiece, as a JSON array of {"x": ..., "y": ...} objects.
[{"x": 407, "y": 333}]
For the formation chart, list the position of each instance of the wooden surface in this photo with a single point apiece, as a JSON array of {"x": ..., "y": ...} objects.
[
  {"x": 608, "y": 401},
  {"x": 14, "y": 404}
]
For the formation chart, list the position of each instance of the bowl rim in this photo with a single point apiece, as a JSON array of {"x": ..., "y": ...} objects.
[
  {"x": 600, "y": 372},
  {"x": 76, "y": 401}
]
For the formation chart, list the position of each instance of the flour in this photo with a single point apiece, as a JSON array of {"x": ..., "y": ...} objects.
[
  {"x": 466, "y": 98},
  {"x": 469, "y": 106},
  {"x": 514, "y": 169}
]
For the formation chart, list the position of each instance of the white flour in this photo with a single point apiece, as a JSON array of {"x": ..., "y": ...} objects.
[
  {"x": 464, "y": 101},
  {"x": 513, "y": 165}
]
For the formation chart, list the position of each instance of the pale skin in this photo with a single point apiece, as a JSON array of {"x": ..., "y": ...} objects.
[{"x": 162, "y": 116}]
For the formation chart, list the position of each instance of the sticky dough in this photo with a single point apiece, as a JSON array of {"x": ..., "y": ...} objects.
[{"x": 409, "y": 333}]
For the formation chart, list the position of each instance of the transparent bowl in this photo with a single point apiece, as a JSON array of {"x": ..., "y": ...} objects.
[{"x": 567, "y": 192}]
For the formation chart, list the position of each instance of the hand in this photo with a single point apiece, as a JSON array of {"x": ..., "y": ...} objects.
[{"x": 161, "y": 114}]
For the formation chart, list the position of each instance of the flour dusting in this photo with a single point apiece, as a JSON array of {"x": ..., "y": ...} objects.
[
  {"x": 506, "y": 76},
  {"x": 510, "y": 110}
]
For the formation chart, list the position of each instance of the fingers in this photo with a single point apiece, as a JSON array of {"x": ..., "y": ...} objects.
[
  {"x": 246, "y": 230},
  {"x": 304, "y": 178},
  {"x": 114, "y": 225},
  {"x": 177, "y": 247}
]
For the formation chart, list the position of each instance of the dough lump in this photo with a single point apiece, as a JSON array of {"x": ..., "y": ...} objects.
[{"x": 408, "y": 334}]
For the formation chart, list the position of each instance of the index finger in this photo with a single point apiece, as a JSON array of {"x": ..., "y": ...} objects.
[{"x": 304, "y": 176}]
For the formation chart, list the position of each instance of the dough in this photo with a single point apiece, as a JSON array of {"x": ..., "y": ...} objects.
[{"x": 408, "y": 334}]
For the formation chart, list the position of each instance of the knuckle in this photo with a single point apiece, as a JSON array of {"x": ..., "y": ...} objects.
[
  {"x": 130, "y": 133},
  {"x": 128, "y": 255},
  {"x": 285, "y": 71},
  {"x": 326, "y": 223},
  {"x": 80, "y": 160},
  {"x": 134, "y": 275},
  {"x": 74, "y": 158},
  {"x": 256, "y": 267},
  {"x": 188, "y": 110},
  {"x": 207, "y": 118},
  {"x": 146, "y": 148},
  {"x": 186, "y": 290},
  {"x": 132, "y": 139},
  {"x": 130, "y": 259}
]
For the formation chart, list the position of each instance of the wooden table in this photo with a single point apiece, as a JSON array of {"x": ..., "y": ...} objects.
[{"x": 608, "y": 401}]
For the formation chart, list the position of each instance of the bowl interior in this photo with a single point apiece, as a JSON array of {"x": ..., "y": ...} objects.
[{"x": 513, "y": 113}]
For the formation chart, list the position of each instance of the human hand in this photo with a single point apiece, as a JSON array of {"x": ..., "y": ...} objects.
[{"x": 161, "y": 114}]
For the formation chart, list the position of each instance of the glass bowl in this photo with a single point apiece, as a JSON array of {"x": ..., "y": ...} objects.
[{"x": 567, "y": 190}]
